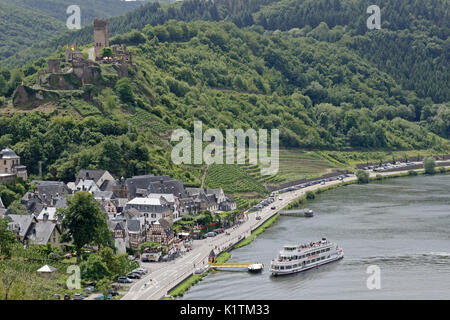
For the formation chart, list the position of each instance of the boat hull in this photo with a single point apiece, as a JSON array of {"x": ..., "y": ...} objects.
[{"x": 301, "y": 269}]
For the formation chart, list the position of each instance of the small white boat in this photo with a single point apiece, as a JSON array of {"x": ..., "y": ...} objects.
[
  {"x": 303, "y": 257},
  {"x": 255, "y": 268},
  {"x": 308, "y": 213}
]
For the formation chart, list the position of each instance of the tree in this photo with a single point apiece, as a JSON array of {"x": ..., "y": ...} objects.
[
  {"x": 429, "y": 164},
  {"x": 363, "y": 176},
  {"x": 83, "y": 221},
  {"x": 94, "y": 268},
  {"x": 103, "y": 287},
  {"x": 17, "y": 208},
  {"x": 107, "y": 52},
  {"x": 7, "y": 239},
  {"x": 123, "y": 88}
]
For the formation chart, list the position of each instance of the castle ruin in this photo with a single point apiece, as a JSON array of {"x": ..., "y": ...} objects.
[{"x": 101, "y": 37}]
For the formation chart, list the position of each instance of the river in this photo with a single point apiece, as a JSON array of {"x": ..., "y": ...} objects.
[{"x": 401, "y": 225}]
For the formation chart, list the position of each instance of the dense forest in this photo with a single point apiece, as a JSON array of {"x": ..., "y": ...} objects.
[{"x": 27, "y": 23}]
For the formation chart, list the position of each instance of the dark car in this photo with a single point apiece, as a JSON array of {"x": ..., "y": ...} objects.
[
  {"x": 67, "y": 296},
  {"x": 134, "y": 275},
  {"x": 113, "y": 293},
  {"x": 273, "y": 208},
  {"x": 123, "y": 280}
]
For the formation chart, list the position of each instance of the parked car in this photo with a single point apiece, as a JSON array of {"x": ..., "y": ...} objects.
[
  {"x": 67, "y": 296},
  {"x": 102, "y": 297},
  {"x": 79, "y": 296},
  {"x": 57, "y": 296},
  {"x": 211, "y": 234},
  {"x": 89, "y": 290},
  {"x": 113, "y": 293},
  {"x": 273, "y": 208},
  {"x": 258, "y": 217},
  {"x": 141, "y": 271},
  {"x": 134, "y": 275},
  {"x": 124, "y": 280}
]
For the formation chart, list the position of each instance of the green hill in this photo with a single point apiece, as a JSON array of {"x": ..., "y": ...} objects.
[{"x": 314, "y": 84}]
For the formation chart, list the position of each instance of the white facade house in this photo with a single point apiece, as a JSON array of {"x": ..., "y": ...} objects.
[{"x": 152, "y": 209}]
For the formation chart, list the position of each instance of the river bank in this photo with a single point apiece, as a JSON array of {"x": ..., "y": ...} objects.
[
  {"x": 182, "y": 287},
  {"x": 401, "y": 225}
]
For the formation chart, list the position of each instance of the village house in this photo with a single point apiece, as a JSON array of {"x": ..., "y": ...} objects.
[
  {"x": 102, "y": 178},
  {"x": 120, "y": 238},
  {"x": 136, "y": 233},
  {"x": 173, "y": 202},
  {"x": 137, "y": 186},
  {"x": 152, "y": 209},
  {"x": 48, "y": 214},
  {"x": 160, "y": 231},
  {"x": 10, "y": 167},
  {"x": 30, "y": 231}
]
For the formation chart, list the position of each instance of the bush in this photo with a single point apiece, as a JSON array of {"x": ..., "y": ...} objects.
[
  {"x": 363, "y": 176},
  {"x": 429, "y": 164},
  {"x": 412, "y": 173},
  {"x": 310, "y": 195},
  {"x": 378, "y": 177},
  {"x": 442, "y": 170},
  {"x": 123, "y": 88}
]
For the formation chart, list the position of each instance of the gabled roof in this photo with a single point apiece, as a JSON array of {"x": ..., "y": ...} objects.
[
  {"x": 89, "y": 175},
  {"x": 142, "y": 182},
  {"x": 44, "y": 230},
  {"x": 51, "y": 188},
  {"x": 24, "y": 221},
  {"x": 1, "y": 203},
  {"x": 134, "y": 225},
  {"x": 170, "y": 198},
  {"x": 50, "y": 211},
  {"x": 175, "y": 187}
]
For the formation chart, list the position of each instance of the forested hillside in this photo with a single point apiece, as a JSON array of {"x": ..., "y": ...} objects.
[
  {"x": 90, "y": 9},
  {"x": 325, "y": 86},
  {"x": 318, "y": 93},
  {"x": 413, "y": 44},
  {"x": 20, "y": 28},
  {"x": 26, "y": 26}
]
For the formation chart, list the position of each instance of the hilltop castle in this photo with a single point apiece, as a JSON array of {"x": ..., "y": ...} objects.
[{"x": 78, "y": 69}]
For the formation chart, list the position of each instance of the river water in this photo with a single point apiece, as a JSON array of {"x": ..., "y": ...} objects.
[{"x": 401, "y": 225}]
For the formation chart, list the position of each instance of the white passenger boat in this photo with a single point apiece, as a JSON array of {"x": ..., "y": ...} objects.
[
  {"x": 255, "y": 268},
  {"x": 303, "y": 257}
]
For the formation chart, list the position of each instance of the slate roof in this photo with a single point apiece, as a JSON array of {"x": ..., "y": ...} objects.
[
  {"x": 44, "y": 230},
  {"x": 167, "y": 196},
  {"x": 134, "y": 225},
  {"x": 89, "y": 175},
  {"x": 103, "y": 195},
  {"x": 24, "y": 221},
  {"x": 51, "y": 188},
  {"x": 142, "y": 182},
  {"x": 51, "y": 211},
  {"x": 175, "y": 187},
  {"x": 7, "y": 153}
]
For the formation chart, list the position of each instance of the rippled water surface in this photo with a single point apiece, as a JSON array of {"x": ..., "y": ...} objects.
[{"x": 401, "y": 225}]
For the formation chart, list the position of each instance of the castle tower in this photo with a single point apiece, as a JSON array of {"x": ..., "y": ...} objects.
[{"x": 101, "y": 36}]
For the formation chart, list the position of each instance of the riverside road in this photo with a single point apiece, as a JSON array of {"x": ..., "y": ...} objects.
[{"x": 166, "y": 275}]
